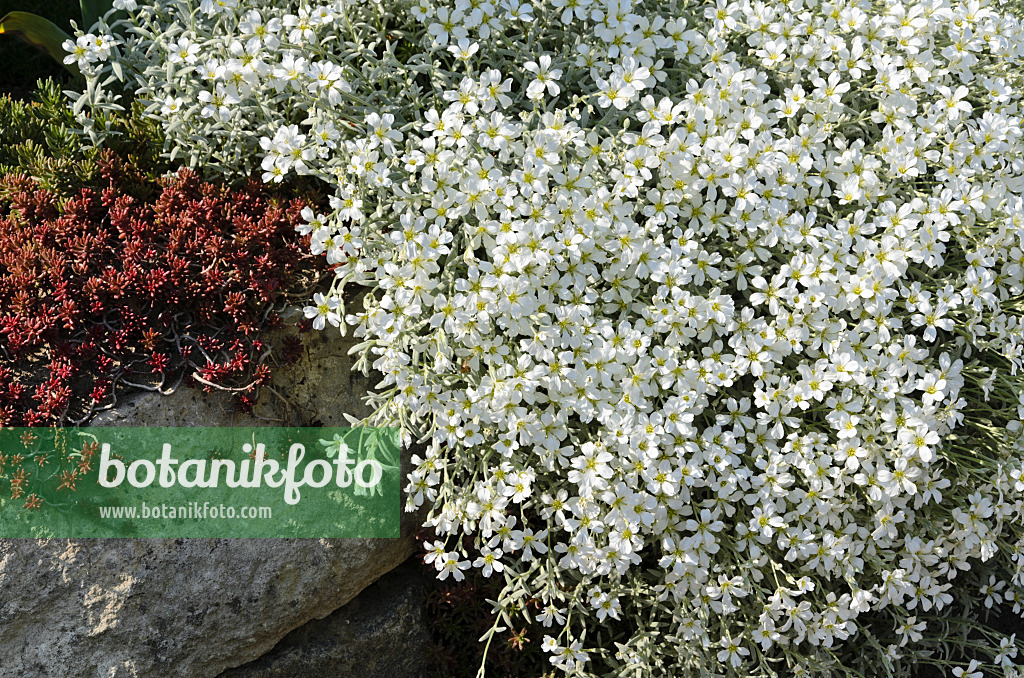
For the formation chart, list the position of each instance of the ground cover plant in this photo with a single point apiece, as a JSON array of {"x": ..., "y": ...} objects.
[
  {"x": 112, "y": 276},
  {"x": 710, "y": 313},
  {"x": 39, "y": 139}
]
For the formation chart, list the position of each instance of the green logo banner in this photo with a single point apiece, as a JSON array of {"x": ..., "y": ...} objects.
[{"x": 199, "y": 482}]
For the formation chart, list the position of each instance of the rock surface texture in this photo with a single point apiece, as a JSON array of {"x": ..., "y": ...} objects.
[
  {"x": 118, "y": 608},
  {"x": 170, "y": 607},
  {"x": 381, "y": 634}
]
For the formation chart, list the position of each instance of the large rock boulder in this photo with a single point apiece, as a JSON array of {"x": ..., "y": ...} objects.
[
  {"x": 383, "y": 633},
  {"x": 114, "y": 608}
]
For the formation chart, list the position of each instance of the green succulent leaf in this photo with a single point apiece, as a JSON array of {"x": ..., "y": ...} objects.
[{"x": 40, "y": 32}]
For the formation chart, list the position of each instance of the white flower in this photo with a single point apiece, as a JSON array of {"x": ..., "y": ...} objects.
[
  {"x": 218, "y": 104},
  {"x": 171, "y": 105},
  {"x": 301, "y": 26},
  {"x": 552, "y": 614},
  {"x": 213, "y": 7},
  {"x": 604, "y": 604},
  {"x": 78, "y": 50},
  {"x": 732, "y": 651},
  {"x": 489, "y": 561},
  {"x": 571, "y": 8},
  {"x": 450, "y": 564},
  {"x": 87, "y": 50},
  {"x": 970, "y": 671},
  {"x": 614, "y": 92},
  {"x": 464, "y": 49},
  {"x": 519, "y": 11},
  {"x": 184, "y": 51},
  {"x": 545, "y": 78},
  {"x": 324, "y": 310}
]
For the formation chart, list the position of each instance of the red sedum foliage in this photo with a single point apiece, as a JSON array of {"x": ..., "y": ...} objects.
[{"x": 110, "y": 289}]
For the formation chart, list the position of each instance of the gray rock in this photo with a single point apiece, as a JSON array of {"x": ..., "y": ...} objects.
[
  {"x": 382, "y": 633},
  {"x": 114, "y": 608},
  {"x": 320, "y": 388}
]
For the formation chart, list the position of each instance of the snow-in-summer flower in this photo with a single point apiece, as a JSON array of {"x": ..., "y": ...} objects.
[{"x": 323, "y": 312}]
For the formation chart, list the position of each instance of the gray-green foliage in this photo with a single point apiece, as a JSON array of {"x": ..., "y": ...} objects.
[{"x": 365, "y": 42}]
